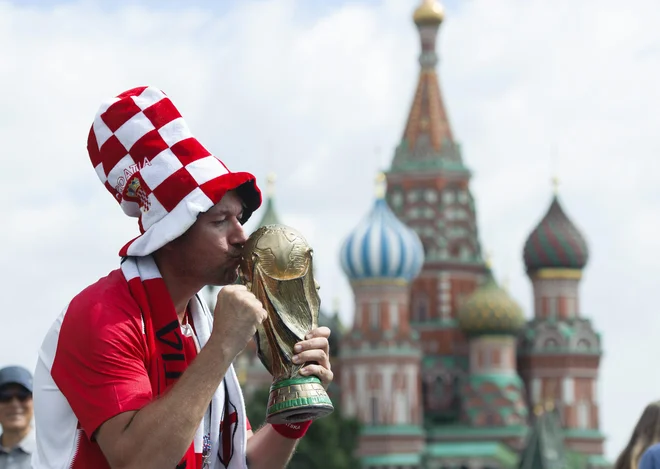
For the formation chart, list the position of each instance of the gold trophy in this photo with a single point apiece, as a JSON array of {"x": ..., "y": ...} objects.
[{"x": 277, "y": 268}]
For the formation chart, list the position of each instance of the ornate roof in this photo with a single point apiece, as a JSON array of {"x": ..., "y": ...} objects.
[
  {"x": 427, "y": 141},
  {"x": 555, "y": 242},
  {"x": 381, "y": 246},
  {"x": 490, "y": 310},
  {"x": 428, "y": 118},
  {"x": 494, "y": 400}
]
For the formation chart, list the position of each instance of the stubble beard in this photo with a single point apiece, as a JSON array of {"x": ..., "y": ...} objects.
[{"x": 225, "y": 276}]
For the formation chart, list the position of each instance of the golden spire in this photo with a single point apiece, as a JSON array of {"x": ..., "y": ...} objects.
[
  {"x": 429, "y": 12},
  {"x": 381, "y": 185},
  {"x": 538, "y": 409},
  {"x": 488, "y": 261},
  {"x": 555, "y": 185},
  {"x": 270, "y": 188}
]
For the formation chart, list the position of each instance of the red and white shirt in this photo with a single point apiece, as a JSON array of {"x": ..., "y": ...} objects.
[{"x": 92, "y": 366}]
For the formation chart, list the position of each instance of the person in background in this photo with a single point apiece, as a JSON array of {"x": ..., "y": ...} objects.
[
  {"x": 651, "y": 458},
  {"x": 642, "y": 451},
  {"x": 17, "y": 441}
]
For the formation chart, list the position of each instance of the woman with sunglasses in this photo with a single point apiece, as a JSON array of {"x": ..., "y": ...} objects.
[{"x": 17, "y": 441}]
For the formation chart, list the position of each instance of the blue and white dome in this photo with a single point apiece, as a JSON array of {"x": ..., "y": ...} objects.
[{"x": 382, "y": 247}]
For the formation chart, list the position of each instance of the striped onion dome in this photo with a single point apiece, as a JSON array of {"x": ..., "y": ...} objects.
[
  {"x": 555, "y": 242},
  {"x": 381, "y": 246}
]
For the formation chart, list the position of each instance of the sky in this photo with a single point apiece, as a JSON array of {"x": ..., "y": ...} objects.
[{"x": 318, "y": 92}]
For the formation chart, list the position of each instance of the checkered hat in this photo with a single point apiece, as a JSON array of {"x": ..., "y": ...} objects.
[{"x": 145, "y": 155}]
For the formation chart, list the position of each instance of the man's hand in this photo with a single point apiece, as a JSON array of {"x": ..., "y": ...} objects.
[
  {"x": 159, "y": 434},
  {"x": 236, "y": 317},
  {"x": 268, "y": 448},
  {"x": 315, "y": 350}
]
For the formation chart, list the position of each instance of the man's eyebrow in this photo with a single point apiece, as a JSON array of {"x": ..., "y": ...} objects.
[{"x": 225, "y": 211}]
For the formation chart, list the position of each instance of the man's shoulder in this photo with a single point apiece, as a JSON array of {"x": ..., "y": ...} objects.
[
  {"x": 102, "y": 317},
  {"x": 105, "y": 303}
]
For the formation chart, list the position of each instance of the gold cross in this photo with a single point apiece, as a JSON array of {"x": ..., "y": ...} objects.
[{"x": 555, "y": 185}]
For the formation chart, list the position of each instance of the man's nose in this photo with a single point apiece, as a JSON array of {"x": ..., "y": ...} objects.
[{"x": 238, "y": 234}]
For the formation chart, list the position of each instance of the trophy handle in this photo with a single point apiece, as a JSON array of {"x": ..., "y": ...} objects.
[{"x": 263, "y": 349}]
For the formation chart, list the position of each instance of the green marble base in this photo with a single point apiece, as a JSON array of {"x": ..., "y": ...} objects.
[{"x": 297, "y": 400}]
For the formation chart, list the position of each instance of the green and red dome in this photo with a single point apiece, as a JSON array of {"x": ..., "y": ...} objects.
[
  {"x": 490, "y": 310},
  {"x": 555, "y": 243}
]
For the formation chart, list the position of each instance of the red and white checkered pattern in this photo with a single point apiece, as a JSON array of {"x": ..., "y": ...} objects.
[{"x": 145, "y": 155}]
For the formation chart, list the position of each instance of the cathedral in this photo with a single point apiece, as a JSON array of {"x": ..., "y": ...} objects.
[{"x": 440, "y": 365}]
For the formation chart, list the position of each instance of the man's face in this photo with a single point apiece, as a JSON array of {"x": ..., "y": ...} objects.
[
  {"x": 211, "y": 249},
  {"x": 15, "y": 407}
]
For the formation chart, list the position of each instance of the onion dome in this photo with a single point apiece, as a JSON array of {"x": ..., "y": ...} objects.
[
  {"x": 555, "y": 242},
  {"x": 381, "y": 246},
  {"x": 429, "y": 12},
  {"x": 490, "y": 310}
]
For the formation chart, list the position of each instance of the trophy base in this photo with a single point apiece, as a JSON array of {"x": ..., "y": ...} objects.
[{"x": 297, "y": 399}]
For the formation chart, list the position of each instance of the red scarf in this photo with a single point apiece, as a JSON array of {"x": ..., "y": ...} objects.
[{"x": 170, "y": 353}]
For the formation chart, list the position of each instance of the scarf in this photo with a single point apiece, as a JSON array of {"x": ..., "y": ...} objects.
[{"x": 220, "y": 440}]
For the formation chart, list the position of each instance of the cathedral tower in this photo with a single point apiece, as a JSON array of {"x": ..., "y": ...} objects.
[
  {"x": 428, "y": 189},
  {"x": 493, "y": 394},
  {"x": 380, "y": 356},
  {"x": 559, "y": 352}
]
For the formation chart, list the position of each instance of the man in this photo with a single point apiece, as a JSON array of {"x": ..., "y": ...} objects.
[
  {"x": 17, "y": 439},
  {"x": 136, "y": 372}
]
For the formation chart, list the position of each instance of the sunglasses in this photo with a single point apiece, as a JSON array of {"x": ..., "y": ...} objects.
[{"x": 22, "y": 395}]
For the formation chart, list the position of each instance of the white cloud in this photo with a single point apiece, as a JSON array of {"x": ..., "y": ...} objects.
[{"x": 312, "y": 100}]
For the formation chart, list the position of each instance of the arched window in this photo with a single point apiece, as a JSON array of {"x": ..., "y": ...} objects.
[
  {"x": 550, "y": 344},
  {"x": 401, "y": 411},
  {"x": 421, "y": 307},
  {"x": 552, "y": 307},
  {"x": 439, "y": 388},
  {"x": 374, "y": 313},
  {"x": 427, "y": 392},
  {"x": 583, "y": 415},
  {"x": 374, "y": 420},
  {"x": 583, "y": 344},
  {"x": 394, "y": 315}
]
